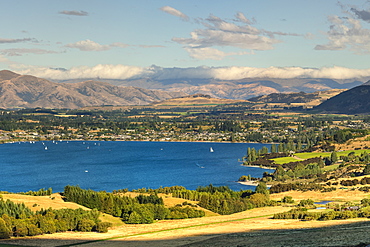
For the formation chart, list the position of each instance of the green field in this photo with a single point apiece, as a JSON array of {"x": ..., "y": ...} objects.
[
  {"x": 284, "y": 160},
  {"x": 330, "y": 168},
  {"x": 305, "y": 156},
  {"x": 312, "y": 155}
]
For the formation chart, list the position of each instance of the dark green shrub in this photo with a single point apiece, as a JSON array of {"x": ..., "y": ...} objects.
[{"x": 102, "y": 227}]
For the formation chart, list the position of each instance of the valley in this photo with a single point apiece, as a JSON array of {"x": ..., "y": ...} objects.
[{"x": 304, "y": 144}]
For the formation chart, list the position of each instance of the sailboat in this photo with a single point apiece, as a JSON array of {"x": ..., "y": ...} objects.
[
  {"x": 211, "y": 149},
  {"x": 199, "y": 165}
]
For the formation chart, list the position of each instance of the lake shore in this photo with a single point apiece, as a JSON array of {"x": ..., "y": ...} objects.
[
  {"x": 250, "y": 183},
  {"x": 263, "y": 167}
]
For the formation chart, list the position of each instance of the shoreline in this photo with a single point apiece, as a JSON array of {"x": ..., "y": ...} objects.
[
  {"x": 82, "y": 140},
  {"x": 250, "y": 183},
  {"x": 263, "y": 167},
  {"x": 4, "y": 141}
]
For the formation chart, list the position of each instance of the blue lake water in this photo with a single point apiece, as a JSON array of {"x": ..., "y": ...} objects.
[{"x": 118, "y": 165}]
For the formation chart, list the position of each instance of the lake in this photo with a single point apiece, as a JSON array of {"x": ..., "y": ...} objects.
[{"x": 100, "y": 165}]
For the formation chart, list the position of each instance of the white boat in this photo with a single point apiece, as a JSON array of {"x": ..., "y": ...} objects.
[
  {"x": 46, "y": 148},
  {"x": 211, "y": 149}
]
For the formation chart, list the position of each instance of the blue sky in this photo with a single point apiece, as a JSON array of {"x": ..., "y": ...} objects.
[{"x": 235, "y": 38}]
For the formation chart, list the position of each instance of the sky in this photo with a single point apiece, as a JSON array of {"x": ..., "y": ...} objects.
[{"x": 227, "y": 40}]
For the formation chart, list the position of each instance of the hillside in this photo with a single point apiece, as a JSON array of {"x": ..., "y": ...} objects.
[
  {"x": 196, "y": 99},
  {"x": 300, "y": 97},
  {"x": 24, "y": 91},
  {"x": 249, "y": 228},
  {"x": 353, "y": 101}
]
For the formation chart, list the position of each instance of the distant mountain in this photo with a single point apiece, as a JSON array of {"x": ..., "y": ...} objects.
[
  {"x": 24, "y": 91},
  {"x": 196, "y": 99},
  {"x": 7, "y": 75},
  {"x": 353, "y": 101},
  {"x": 300, "y": 97},
  {"x": 238, "y": 89}
]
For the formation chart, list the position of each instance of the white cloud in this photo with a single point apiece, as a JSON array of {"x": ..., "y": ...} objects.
[
  {"x": 203, "y": 72},
  {"x": 99, "y": 71},
  {"x": 234, "y": 73},
  {"x": 218, "y": 32},
  {"x": 346, "y": 33},
  {"x": 88, "y": 45},
  {"x": 206, "y": 53},
  {"x": 238, "y": 33},
  {"x": 241, "y": 17},
  {"x": 174, "y": 12}
]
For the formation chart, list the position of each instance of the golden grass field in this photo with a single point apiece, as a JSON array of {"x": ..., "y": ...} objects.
[{"x": 249, "y": 228}]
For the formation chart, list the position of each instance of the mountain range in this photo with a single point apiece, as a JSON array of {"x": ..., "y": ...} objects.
[
  {"x": 25, "y": 91},
  {"x": 236, "y": 89}
]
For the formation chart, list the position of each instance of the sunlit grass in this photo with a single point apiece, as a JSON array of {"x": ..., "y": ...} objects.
[
  {"x": 312, "y": 155},
  {"x": 304, "y": 156},
  {"x": 284, "y": 160},
  {"x": 330, "y": 168},
  {"x": 357, "y": 152}
]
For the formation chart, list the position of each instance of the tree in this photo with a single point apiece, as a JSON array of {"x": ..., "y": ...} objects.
[
  {"x": 299, "y": 146},
  {"x": 281, "y": 148},
  {"x": 20, "y": 229},
  {"x": 251, "y": 155},
  {"x": 85, "y": 225},
  {"x": 134, "y": 218},
  {"x": 262, "y": 188},
  {"x": 259, "y": 200},
  {"x": 287, "y": 199},
  {"x": 333, "y": 157},
  {"x": 102, "y": 227},
  {"x": 367, "y": 169},
  {"x": 273, "y": 148},
  {"x": 264, "y": 150},
  {"x": 5, "y": 231}
]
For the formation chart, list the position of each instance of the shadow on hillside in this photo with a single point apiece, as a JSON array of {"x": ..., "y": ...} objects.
[{"x": 345, "y": 235}]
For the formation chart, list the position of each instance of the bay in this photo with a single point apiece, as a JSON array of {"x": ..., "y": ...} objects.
[{"x": 109, "y": 166}]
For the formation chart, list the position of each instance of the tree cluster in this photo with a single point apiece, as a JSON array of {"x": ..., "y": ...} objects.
[
  {"x": 302, "y": 169},
  {"x": 18, "y": 220},
  {"x": 354, "y": 182},
  {"x": 282, "y": 187},
  {"x": 223, "y": 200},
  {"x": 142, "y": 209},
  {"x": 40, "y": 192},
  {"x": 303, "y": 214}
]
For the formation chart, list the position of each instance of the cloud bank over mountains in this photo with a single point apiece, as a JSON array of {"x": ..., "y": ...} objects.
[{"x": 125, "y": 72}]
